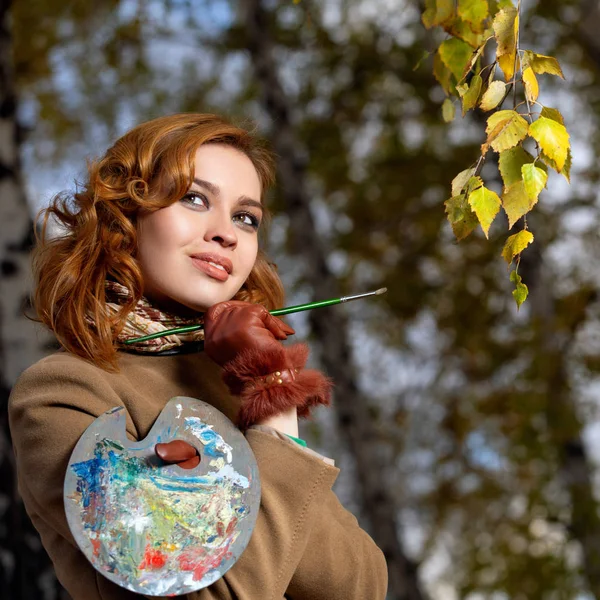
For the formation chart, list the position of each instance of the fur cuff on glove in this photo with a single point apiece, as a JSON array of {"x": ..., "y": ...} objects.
[{"x": 259, "y": 400}]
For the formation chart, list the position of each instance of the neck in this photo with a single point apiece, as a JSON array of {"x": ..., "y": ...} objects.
[{"x": 172, "y": 307}]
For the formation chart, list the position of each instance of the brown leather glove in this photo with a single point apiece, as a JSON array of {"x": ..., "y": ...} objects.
[
  {"x": 178, "y": 452},
  {"x": 244, "y": 339},
  {"x": 233, "y": 326}
]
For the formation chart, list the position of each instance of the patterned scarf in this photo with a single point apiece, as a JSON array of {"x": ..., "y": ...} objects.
[{"x": 146, "y": 319}]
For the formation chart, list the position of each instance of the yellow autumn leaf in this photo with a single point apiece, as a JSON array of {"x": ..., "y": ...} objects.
[
  {"x": 515, "y": 244},
  {"x": 461, "y": 180},
  {"x": 437, "y": 12},
  {"x": 507, "y": 64},
  {"x": 505, "y": 23},
  {"x": 486, "y": 205},
  {"x": 555, "y": 115},
  {"x": 505, "y": 129},
  {"x": 493, "y": 95},
  {"x": 462, "y": 30},
  {"x": 553, "y": 139},
  {"x": 542, "y": 64},
  {"x": 462, "y": 89},
  {"x": 534, "y": 179},
  {"x": 473, "y": 12},
  {"x": 532, "y": 89},
  {"x": 565, "y": 171},
  {"x": 448, "y": 110},
  {"x": 552, "y": 113},
  {"x": 515, "y": 202}
]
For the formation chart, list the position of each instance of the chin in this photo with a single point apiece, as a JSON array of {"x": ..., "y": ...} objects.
[{"x": 203, "y": 301}]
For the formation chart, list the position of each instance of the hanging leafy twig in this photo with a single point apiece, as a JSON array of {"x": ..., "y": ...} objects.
[{"x": 471, "y": 24}]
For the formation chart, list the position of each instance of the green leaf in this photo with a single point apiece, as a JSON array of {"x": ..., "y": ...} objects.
[
  {"x": 510, "y": 164},
  {"x": 486, "y": 205},
  {"x": 426, "y": 54},
  {"x": 442, "y": 73},
  {"x": 505, "y": 24},
  {"x": 553, "y": 114},
  {"x": 461, "y": 180},
  {"x": 516, "y": 202},
  {"x": 553, "y": 139},
  {"x": 474, "y": 183},
  {"x": 493, "y": 95},
  {"x": 470, "y": 97},
  {"x": 455, "y": 54},
  {"x": 515, "y": 244},
  {"x": 437, "y": 12},
  {"x": 476, "y": 54},
  {"x": 448, "y": 110},
  {"x": 542, "y": 64},
  {"x": 473, "y": 12},
  {"x": 505, "y": 129},
  {"x": 520, "y": 292},
  {"x": 462, "y": 219},
  {"x": 534, "y": 180}
]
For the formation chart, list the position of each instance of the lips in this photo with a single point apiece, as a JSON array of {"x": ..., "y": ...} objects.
[{"x": 220, "y": 269}]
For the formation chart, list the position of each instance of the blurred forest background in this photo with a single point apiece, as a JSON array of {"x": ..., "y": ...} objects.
[{"x": 468, "y": 432}]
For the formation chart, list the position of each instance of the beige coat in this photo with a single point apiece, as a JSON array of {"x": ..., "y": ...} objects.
[{"x": 305, "y": 546}]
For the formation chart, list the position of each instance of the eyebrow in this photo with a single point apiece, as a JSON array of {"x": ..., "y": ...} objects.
[{"x": 215, "y": 191}]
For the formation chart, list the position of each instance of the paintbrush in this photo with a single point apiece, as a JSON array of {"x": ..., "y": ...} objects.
[{"x": 276, "y": 313}]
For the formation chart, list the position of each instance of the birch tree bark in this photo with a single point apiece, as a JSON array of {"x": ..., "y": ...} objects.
[
  {"x": 25, "y": 571},
  {"x": 330, "y": 327}
]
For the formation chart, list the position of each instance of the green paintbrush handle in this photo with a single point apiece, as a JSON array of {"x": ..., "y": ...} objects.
[
  {"x": 276, "y": 313},
  {"x": 300, "y": 307}
]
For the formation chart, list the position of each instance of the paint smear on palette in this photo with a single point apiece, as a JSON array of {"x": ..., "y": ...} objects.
[{"x": 158, "y": 529}]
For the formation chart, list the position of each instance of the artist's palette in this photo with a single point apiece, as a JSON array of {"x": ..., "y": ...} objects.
[{"x": 158, "y": 529}]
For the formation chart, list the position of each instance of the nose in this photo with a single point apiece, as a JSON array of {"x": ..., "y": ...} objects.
[{"x": 221, "y": 230}]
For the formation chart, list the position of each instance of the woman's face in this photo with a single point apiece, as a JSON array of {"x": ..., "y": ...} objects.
[{"x": 215, "y": 222}]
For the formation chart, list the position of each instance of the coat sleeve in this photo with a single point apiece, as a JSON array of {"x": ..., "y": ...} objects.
[
  {"x": 51, "y": 406},
  {"x": 341, "y": 561}
]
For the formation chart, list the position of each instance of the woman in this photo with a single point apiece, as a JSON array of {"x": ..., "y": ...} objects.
[{"x": 165, "y": 233}]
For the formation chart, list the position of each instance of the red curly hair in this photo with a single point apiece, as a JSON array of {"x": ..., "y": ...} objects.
[{"x": 150, "y": 167}]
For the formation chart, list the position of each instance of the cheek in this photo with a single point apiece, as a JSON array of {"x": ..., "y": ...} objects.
[
  {"x": 162, "y": 231},
  {"x": 250, "y": 256}
]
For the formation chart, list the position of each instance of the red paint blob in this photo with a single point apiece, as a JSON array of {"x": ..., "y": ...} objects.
[{"x": 153, "y": 559}]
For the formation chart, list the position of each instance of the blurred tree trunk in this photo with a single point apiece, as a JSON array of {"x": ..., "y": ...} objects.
[
  {"x": 25, "y": 570},
  {"x": 588, "y": 28},
  {"x": 330, "y": 327},
  {"x": 556, "y": 331}
]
